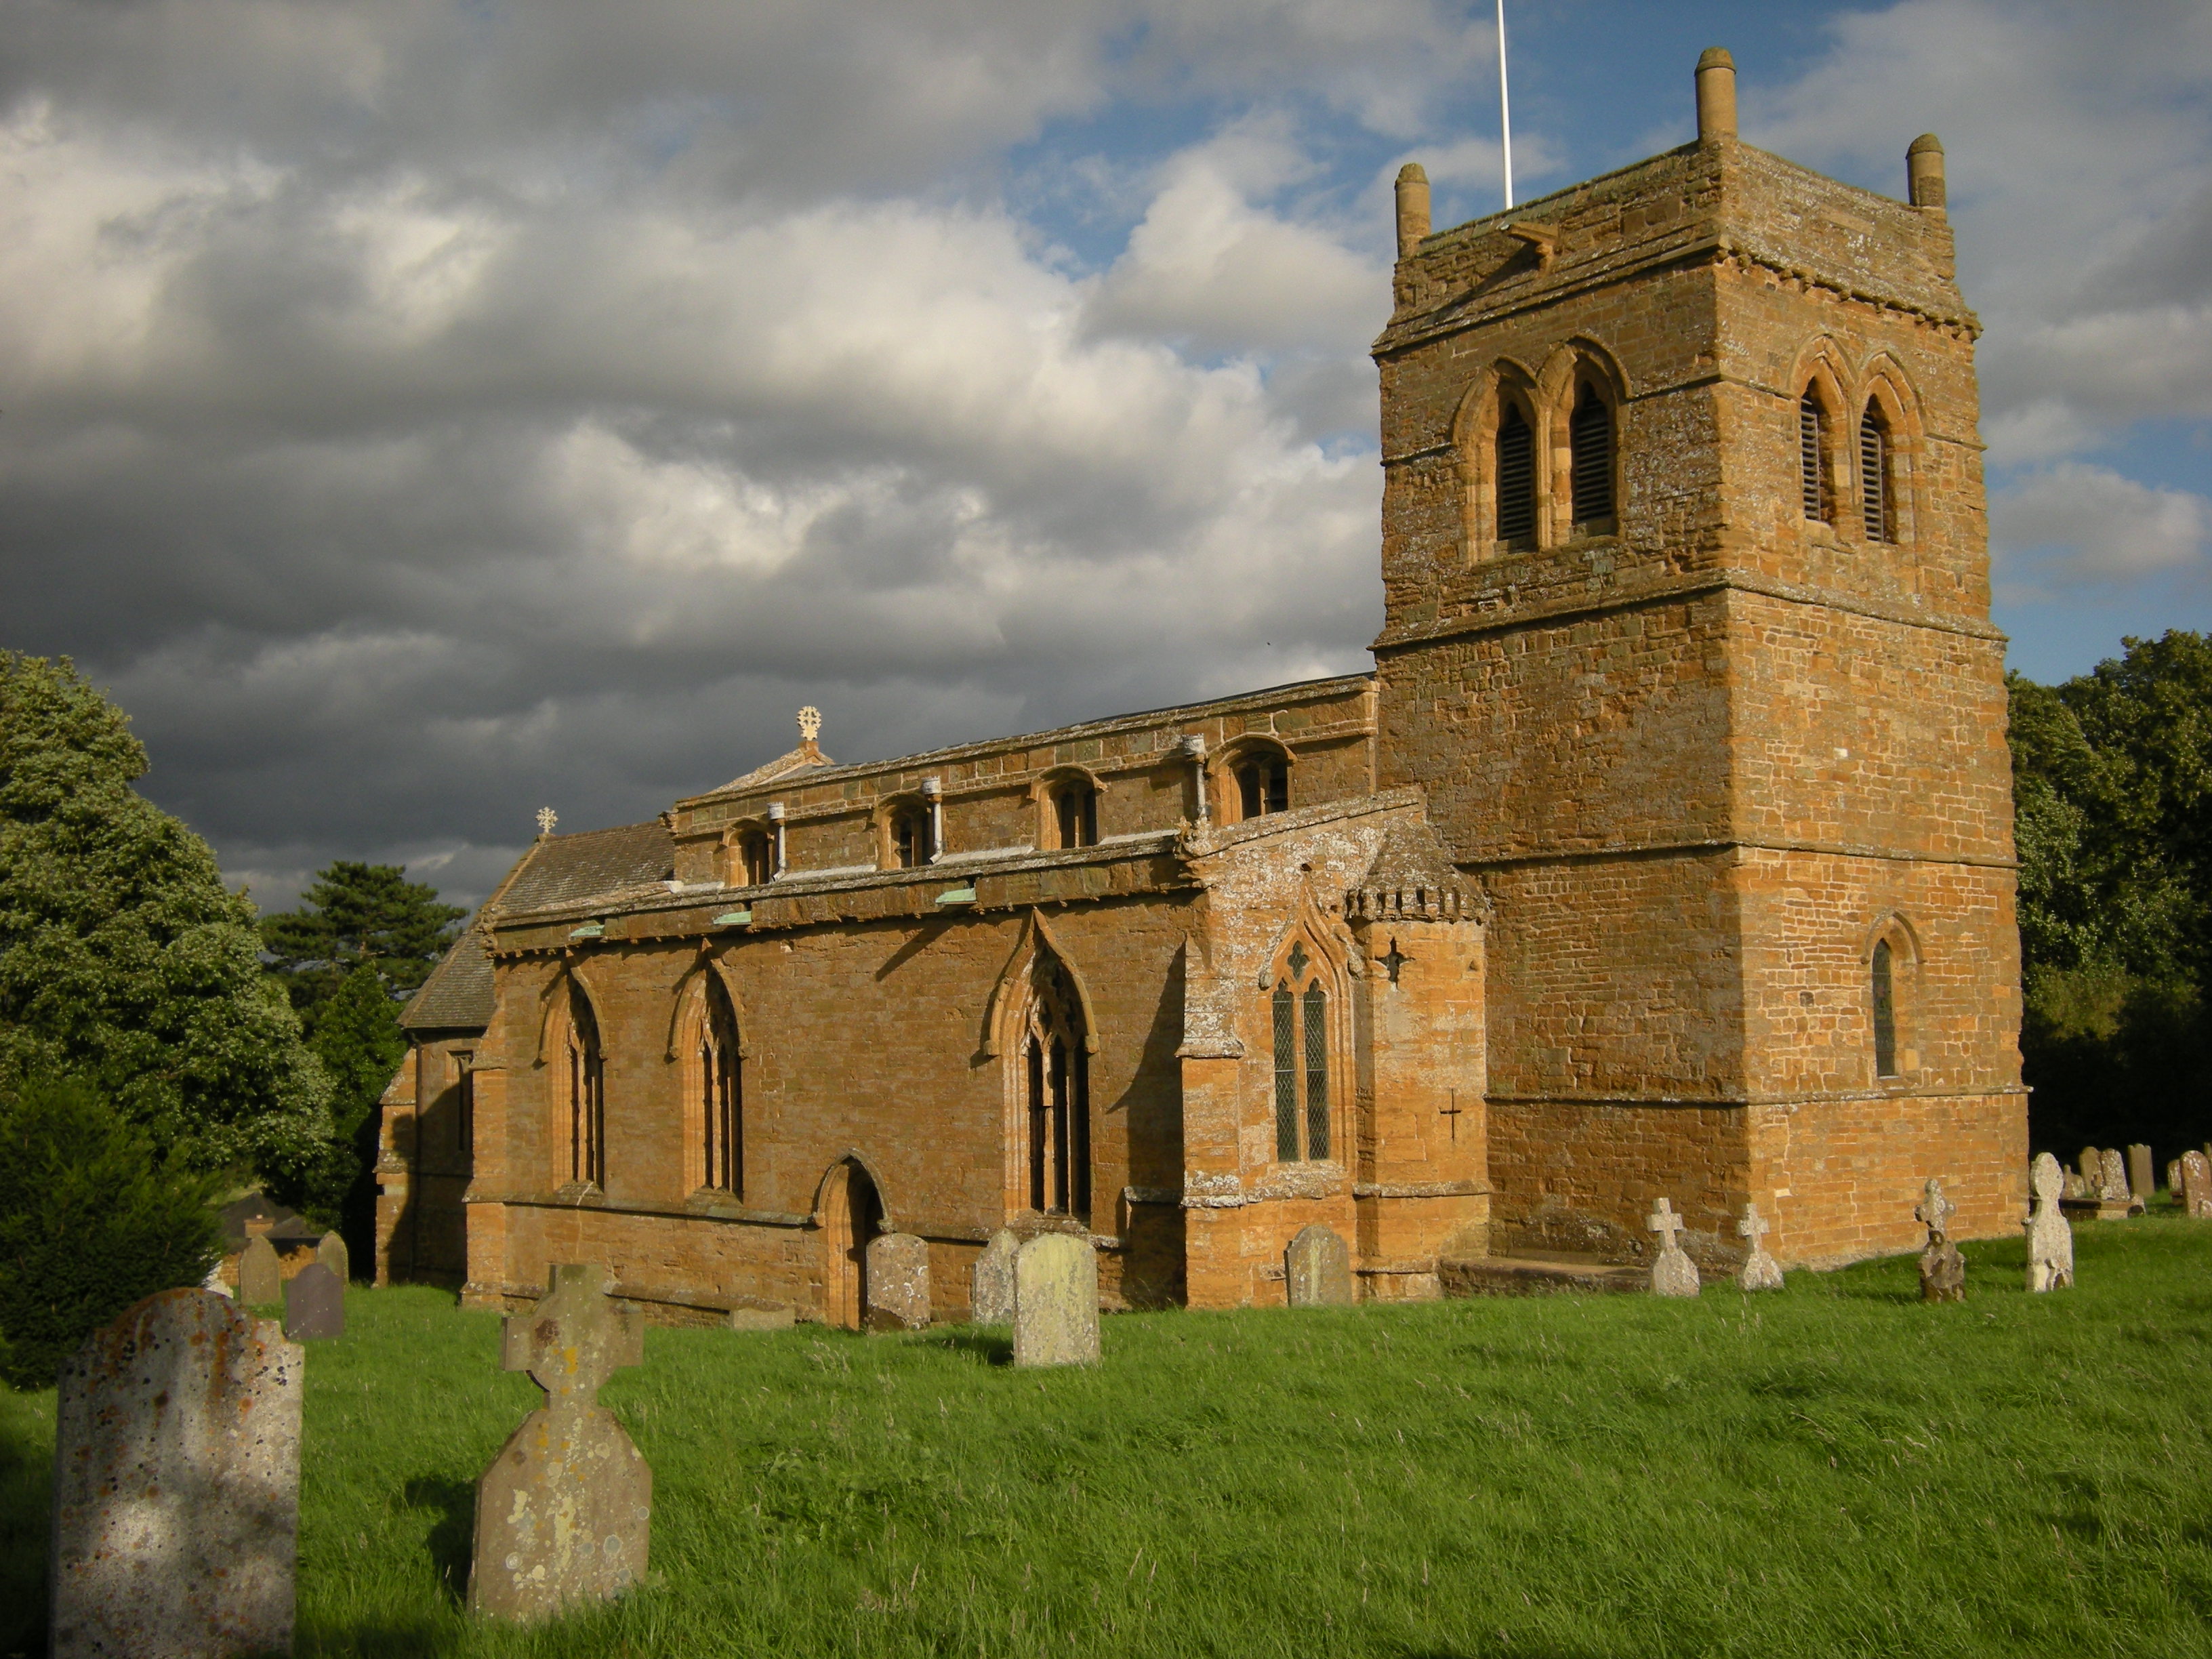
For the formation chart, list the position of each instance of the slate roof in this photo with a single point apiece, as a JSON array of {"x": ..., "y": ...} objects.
[{"x": 457, "y": 995}]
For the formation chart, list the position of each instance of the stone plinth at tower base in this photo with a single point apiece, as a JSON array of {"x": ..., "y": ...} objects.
[
  {"x": 564, "y": 1511},
  {"x": 176, "y": 1485}
]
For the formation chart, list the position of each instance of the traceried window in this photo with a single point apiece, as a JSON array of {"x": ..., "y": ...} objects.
[
  {"x": 910, "y": 838},
  {"x": 1075, "y": 814},
  {"x": 1058, "y": 1096},
  {"x": 1263, "y": 786},
  {"x": 1875, "y": 501},
  {"x": 1590, "y": 435},
  {"x": 1517, "y": 479},
  {"x": 1301, "y": 1034},
  {"x": 1813, "y": 456},
  {"x": 584, "y": 1078},
  {"x": 719, "y": 1075},
  {"x": 464, "y": 1105},
  {"x": 1885, "y": 1010},
  {"x": 754, "y": 863}
]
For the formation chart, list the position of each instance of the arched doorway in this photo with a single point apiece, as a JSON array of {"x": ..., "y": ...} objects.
[{"x": 852, "y": 1214}]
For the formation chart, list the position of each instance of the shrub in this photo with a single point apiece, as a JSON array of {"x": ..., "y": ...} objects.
[{"x": 91, "y": 1221}]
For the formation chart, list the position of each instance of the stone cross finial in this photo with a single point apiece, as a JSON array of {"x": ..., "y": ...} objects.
[
  {"x": 810, "y": 723},
  {"x": 547, "y": 817},
  {"x": 1935, "y": 1212},
  {"x": 1664, "y": 1222}
]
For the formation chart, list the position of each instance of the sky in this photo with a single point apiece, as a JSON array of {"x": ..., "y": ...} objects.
[{"x": 415, "y": 413}]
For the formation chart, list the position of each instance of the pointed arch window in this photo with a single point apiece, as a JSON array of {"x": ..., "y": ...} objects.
[
  {"x": 718, "y": 1074},
  {"x": 1885, "y": 1010},
  {"x": 584, "y": 1083},
  {"x": 1517, "y": 479},
  {"x": 1300, "y": 1020},
  {"x": 1876, "y": 503},
  {"x": 1813, "y": 456},
  {"x": 1057, "y": 1079},
  {"x": 1589, "y": 437}
]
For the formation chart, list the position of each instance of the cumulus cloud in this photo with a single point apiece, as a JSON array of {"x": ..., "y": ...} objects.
[{"x": 2073, "y": 525}]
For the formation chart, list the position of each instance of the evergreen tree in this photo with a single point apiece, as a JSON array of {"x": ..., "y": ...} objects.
[
  {"x": 358, "y": 1039},
  {"x": 353, "y": 914},
  {"x": 124, "y": 962}
]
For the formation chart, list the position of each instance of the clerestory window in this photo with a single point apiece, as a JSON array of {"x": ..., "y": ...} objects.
[
  {"x": 1263, "y": 786},
  {"x": 910, "y": 838},
  {"x": 1075, "y": 814},
  {"x": 754, "y": 862}
]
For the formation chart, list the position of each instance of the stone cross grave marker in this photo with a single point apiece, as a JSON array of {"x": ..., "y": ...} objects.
[
  {"x": 2049, "y": 1237},
  {"x": 314, "y": 1303},
  {"x": 2196, "y": 1186},
  {"x": 260, "y": 1275},
  {"x": 176, "y": 1515},
  {"x": 563, "y": 1513},
  {"x": 1943, "y": 1269},
  {"x": 1761, "y": 1271},
  {"x": 898, "y": 1283},
  {"x": 1056, "y": 1302},
  {"x": 1317, "y": 1269},
  {"x": 2142, "y": 1179},
  {"x": 991, "y": 1286},
  {"x": 1673, "y": 1273},
  {"x": 330, "y": 1250}
]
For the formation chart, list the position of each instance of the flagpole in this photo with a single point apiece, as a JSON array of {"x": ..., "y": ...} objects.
[{"x": 1504, "y": 106}]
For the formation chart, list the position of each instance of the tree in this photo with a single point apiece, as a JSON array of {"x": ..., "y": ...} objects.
[
  {"x": 358, "y": 1039},
  {"x": 91, "y": 1220},
  {"x": 124, "y": 962},
  {"x": 353, "y": 914}
]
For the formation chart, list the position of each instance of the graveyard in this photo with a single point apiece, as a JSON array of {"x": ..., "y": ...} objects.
[{"x": 1838, "y": 1467}]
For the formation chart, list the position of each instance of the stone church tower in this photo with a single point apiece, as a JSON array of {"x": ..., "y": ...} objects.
[{"x": 1687, "y": 642}]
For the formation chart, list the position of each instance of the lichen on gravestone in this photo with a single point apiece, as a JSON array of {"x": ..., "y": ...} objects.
[
  {"x": 1056, "y": 1302},
  {"x": 2050, "y": 1238},
  {"x": 1673, "y": 1272},
  {"x": 314, "y": 1303},
  {"x": 1943, "y": 1269},
  {"x": 1761, "y": 1271},
  {"x": 1317, "y": 1268},
  {"x": 898, "y": 1283},
  {"x": 991, "y": 1284}
]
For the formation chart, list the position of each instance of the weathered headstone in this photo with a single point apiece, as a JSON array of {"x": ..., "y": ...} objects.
[
  {"x": 1673, "y": 1273},
  {"x": 2114, "y": 1201},
  {"x": 564, "y": 1511},
  {"x": 1943, "y": 1269},
  {"x": 898, "y": 1282},
  {"x": 177, "y": 1484},
  {"x": 991, "y": 1286},
  {"x": 1056, "y": 1302},
  {"x": 2142, "y": 1179},
  {"x": 2092, "y": 1166},
  {"x": 1761, "y": 1271},
  {"x": 2077, "y": 1189},
  {"x": 2050, "y": 1238},
  {"x": 260, "y": 1276},
  {"x": 1317, "y": 1268},
  {"x": 331, "y": 1251},
  {"x": 314, "y": 1303},
  {"x": 2196, "y": 1186},
  {"x": 2173, "y": 1180}
]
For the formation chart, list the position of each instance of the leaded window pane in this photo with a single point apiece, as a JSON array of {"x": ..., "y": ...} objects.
[
  {"x": 1884, "y": 1013},
  {"x": 1286, "y": 1077},
  {"x": 1316, "y": 1023}
]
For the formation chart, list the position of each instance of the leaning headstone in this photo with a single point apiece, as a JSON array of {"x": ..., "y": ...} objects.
[
  {"x": 2196, "y": 1187},
  {"x": 1056, "y": 1302},
  {"x": 331, "y": 1251},
  {"x": 2114, "y": 1202},
  {"x": 1673, "y": 1273},
  {"x": 176, "y": 1515},
  {"x": 314, "y": 1303},
  {"x": 260, "y": 1276},
  {"x": 1317, "y": 1268},
  {"x": 2142, "y": 1179},
  {"x": 991, "y": 1284},
  {"x": 564, "y": 1511},
  {"x": 898, "y": 1282},
  {"x": 2050, "y": 1238},
  {"x": 1761, "y": 1271},
  {"x": 1943, "y": 1269}
]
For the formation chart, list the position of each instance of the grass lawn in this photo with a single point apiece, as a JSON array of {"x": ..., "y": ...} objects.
[{"x": 1834, "y": 1468}]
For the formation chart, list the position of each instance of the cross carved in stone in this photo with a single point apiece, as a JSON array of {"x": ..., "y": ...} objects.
[
  {"x": 1935, "y": 1211},
  {"x": 1753, "y": 1226},
  {"x": 1451, "y": 1114},
  {"x": 1664, "y": 1222},
  {"x": 573, "y": 1339},
  {"x": 1395, "y": 961},
  {"x": 547, "y": 817}
]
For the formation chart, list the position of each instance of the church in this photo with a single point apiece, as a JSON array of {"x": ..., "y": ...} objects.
[{"x": 1665, "y": 852}]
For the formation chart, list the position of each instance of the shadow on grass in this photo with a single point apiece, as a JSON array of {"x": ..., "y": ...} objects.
[
  {"x": 453, "y": 1536},
  {"x": 977, "y": 1340}
]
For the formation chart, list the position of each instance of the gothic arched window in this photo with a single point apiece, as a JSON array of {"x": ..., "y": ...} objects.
[
  {"x": 583, "y": 1081},
  {"x": 718, "y": 1074},
  {"x": 1876, "y": 502},
  {"x": 1885, "y": 1010},
  {"x": 1589, "y": 436},
  {"x": 1517, "y": 479},
  {"x": 1813, "y": 455},
  {"x": 1300, "y": 1019},
  {"x": 1057, "y": 1095}
]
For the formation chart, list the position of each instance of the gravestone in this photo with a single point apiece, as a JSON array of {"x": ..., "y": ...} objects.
[
  {"x": 176, "y": 1515},
  {"x": 2092, "y": 1166},
  {"x": 1943, "y": 1269},
  {"x": 1673, "y": 1273},
  {"x": 2142, "y": 1179},
  {"x": 2173, "y": 1180},
  {"x": 563, "y": 1513},
  {"x": 2114, "y": 1202},
  {"x": 1056, "y": 1302},
  {"x": 2196, "y": 1186},
  {"x": 331, "y": 1251},
  {"x": 260, "y": 1276},
  {"x": 991, "y": 1286},
  {"x": 2050, "y": 1238},
  {"x": 1761, "y": 1271},
  {"x": 1317, "y": 1269},
  {"x": 898, "y": 1283},
  {"x": 314, "y": 1303}
]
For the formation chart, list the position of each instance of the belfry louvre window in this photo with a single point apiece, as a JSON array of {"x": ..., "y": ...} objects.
[
  {"x": 1885, "y": 1010},
  {"x": 1516, "y": 478},
  {"x": 1301, "y": 1034},
  {"x": 1874, "y": 498},
  {"x": 1589, "y": 435},
  {"x": 1263, "y": 786},
  {"x": 587, "y": 1088},
  {"x": 1812, "y": 456}
]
